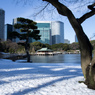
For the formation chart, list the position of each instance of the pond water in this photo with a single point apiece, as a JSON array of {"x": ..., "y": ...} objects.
[{"x": 61, "y": 58}]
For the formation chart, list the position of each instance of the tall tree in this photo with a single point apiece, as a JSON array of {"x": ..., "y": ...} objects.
[
  {"x": 87, "y": 61},
  {"x": 29, "y": 30}
]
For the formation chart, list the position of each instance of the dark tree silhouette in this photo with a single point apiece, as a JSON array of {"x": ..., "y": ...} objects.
[{"x": 29, "y": 30}]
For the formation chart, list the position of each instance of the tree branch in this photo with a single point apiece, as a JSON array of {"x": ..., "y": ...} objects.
[
  {"x": 87, "y": 15},
  {"x": 59, "y": 6},
  {"x": 91, "y": 7},
  {"x": 42, "y": 9}
]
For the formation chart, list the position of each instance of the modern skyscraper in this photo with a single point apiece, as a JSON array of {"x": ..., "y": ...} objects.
[
  {"x": 57, "y": 30},
  {"x": 52, "y": 32},
  {"x": 2, "y": 22},
  {"x": 45, "y": 31}
]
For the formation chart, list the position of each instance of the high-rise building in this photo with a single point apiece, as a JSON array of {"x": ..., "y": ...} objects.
[
  {"x": 52, "y": 32},
  {"x": 8, "y": 29},
  {"x": 2, "y": 22},
  {"x": 57, "y": 30},
  {"x": 45, "y": 31}
]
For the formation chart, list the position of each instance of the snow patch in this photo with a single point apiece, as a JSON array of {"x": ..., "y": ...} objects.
[{"x": 41, "y": 79}]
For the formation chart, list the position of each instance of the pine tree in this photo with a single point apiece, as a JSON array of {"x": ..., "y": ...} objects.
[{"x": 29, "y": 30}]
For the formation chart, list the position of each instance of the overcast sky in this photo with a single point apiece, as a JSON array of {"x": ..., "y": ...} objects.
[{"x": 13, "y": 10}]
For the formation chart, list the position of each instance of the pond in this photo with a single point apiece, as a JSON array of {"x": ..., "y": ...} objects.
[{"x": 61, "y": 58}]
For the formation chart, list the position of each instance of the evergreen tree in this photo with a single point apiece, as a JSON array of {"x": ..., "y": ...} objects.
[{"x": 29, "y": 30}]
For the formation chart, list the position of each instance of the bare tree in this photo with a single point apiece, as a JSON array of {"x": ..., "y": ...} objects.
[{"x": 87, "y": 61}]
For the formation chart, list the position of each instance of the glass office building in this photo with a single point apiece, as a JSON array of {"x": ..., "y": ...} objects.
[
  {"x": 57, "y": 29},
  {"x": 52, "y": 32},
  {"x": 45, "y": 32}
]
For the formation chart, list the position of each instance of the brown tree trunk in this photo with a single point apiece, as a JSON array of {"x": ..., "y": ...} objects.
[{"x": 87, "y": 64}]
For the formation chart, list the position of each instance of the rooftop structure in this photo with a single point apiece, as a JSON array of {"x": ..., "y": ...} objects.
[{"x": 45, "y": 51}]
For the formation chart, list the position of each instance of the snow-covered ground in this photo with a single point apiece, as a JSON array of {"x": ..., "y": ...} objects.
[{"x": 20, "y": 78}]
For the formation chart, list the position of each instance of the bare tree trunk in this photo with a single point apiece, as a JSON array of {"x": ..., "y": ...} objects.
[{"x": 87, "y": 64}]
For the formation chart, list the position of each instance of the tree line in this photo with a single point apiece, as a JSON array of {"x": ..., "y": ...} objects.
[{"x": 13, "y": 47}]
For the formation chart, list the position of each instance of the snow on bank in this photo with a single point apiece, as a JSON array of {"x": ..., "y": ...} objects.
[{"x": 20, "y": 78}]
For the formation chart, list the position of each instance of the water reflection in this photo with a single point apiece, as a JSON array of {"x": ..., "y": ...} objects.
[{"x": 61, "y": 58}]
